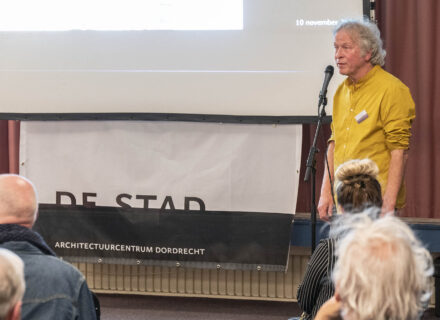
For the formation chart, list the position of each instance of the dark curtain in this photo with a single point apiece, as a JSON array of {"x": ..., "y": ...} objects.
[
  {"x": 4, "y": 153},
  {"x": 411, "y": 33}
]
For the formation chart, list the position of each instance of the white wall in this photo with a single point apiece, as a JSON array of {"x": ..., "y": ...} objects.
[{"x": 274, "y": 66}]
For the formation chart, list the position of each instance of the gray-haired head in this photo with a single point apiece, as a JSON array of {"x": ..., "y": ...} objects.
[
  {"x": 11, "y": 281},
  {"x": 382, "y": 270},
  {"x": 367, "y": 35}
]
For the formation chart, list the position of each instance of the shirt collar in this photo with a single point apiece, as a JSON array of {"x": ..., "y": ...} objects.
[{"x": 364, "y": 79}]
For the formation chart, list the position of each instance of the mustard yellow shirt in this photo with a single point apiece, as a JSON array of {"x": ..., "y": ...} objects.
[{"x": 370, "y": 119}]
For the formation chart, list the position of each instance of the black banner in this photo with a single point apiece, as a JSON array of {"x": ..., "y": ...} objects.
[{"x": 209, "y": 239}]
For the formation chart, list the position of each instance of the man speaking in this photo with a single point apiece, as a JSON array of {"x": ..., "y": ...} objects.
[{"x": 372, "y": 114}]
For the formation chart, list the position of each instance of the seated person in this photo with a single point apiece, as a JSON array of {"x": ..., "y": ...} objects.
[
  {"x": 356, "y": 188},
  {"x": 382, "y": 271},
  {"x": 11, "y": 285},
  {"x": 54, "y": 288}
]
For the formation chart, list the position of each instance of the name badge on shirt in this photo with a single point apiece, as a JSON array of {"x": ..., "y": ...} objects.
[{"x": 361, "y": 116}]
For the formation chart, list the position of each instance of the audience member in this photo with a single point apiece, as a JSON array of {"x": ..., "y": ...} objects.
[
  {"x": 54, "y": 288},
  {"x": 382, "y": 271},
  {"x": 11, "y": 285},
  {"x": 356, "y": 188}
]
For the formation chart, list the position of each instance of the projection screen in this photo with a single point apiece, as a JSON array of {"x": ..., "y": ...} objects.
[{"x": 235, "y": 57}]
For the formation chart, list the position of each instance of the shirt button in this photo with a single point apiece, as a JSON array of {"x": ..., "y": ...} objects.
[
  {"x": 345, "y": 146},
  {"x": 348, "y": 128},
  {"x": 351, "y": 110}
]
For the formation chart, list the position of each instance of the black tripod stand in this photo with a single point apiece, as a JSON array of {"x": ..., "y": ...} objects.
[
  {"x": 311, "y": 169},
  {"x": 311, "y": 161}
]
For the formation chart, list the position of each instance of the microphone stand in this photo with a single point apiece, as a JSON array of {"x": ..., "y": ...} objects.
[{"x": 311, "y": 168}]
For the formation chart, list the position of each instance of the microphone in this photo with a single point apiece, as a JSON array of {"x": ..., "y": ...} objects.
[{"x": 328, "y": 75}]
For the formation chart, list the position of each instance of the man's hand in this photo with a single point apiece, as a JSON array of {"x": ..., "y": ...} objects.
[
  {"x": 330, "y": 310},
  {"x": 395, "y": 178},
  {"x": 325, "y": 206},
  {"x": 388, "y": 207}
]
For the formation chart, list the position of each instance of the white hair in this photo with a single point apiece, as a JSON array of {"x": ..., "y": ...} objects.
[
  {"x": 11, "y": 281},
  {"x": 368, "y": 36},
  {"x": 382, "y": 270}
]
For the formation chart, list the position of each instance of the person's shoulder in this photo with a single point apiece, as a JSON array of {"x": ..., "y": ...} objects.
[
  {"x": 326, "y": 241},
  {"x": 20, "y": 247},
  {"x": 390, "y": 80},
  {"x": 324, "y": 244},
  {"x": 42, "y": 264},
  {"x": 62, "y": 265}
]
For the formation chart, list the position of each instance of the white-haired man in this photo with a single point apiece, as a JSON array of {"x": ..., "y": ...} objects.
[
  {"x": 382, "y": 271},
  {"x": 372, "y": 114},
  {"x": 11, "y": 285},
  {"x": 54, "y": 288}
]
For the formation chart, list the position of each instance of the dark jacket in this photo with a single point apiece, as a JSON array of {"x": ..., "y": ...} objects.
[
  {"x": 54, "y": 288},
  {"x": 317, "y": 286}
]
